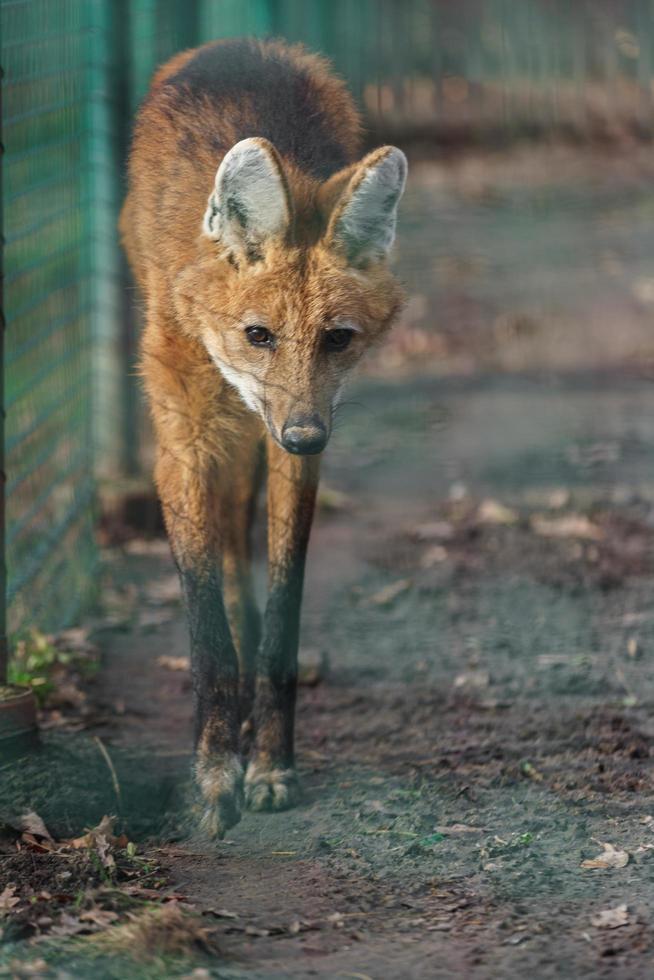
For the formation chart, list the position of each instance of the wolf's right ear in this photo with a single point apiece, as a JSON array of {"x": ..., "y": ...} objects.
[
  {"x": 251, "y": 203},
  {"x": 364, "y": 201}
]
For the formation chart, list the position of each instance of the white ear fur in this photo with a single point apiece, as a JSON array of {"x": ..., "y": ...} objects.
[
  {"x": 250, "y": 203},
  {"x": 363, "y": 227}
]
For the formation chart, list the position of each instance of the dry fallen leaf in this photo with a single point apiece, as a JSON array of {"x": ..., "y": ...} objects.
[
  {"x": 8, "y": 899},
  {"x": 69, "y": 925},
  {"x": 221, "y": 913},
  {"x": 106, "y": 826},
  {"x": 174, "y": 663},
  {"x": 32, "y": 823},
  {"x": 99, "y": 917},
  {"x": 611, "y": 918},
  {"x": 139, "y": 891},
  {"x": 567, "y": 526},
  {"x": 494, "y": 512},
  {"x": 39, "y": 844},
  {"x": 100, "y": 839},
  {"x": 472, "y": 679},
  {"x": 434, "y": 555},
  {"x": 388, "y": 595},
  {"x": 610, "y": 858}
]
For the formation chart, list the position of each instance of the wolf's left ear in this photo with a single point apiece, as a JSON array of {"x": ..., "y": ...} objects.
[
  {"x": 250, "y": 204},
  {"x": 362, "y": 224}
]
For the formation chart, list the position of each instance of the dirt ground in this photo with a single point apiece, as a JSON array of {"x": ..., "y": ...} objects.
[{"x": 475, "y": 718}]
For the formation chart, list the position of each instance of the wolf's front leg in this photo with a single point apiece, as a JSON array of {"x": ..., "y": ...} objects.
[
  {"x": 271, "y": 781},
  {"x": 189, "y": 490},
  {"x": 214, "y": 666}
]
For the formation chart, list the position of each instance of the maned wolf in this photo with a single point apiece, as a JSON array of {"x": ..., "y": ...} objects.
[{"x": 258, "y": 240}]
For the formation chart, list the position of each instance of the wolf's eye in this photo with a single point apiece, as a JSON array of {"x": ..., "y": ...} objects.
[
  {"x": 338, "y": 338},
  {"x": 259, "y": 336}
]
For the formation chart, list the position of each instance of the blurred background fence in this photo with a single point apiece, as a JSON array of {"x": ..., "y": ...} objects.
[{"x": 429, "y": 71}]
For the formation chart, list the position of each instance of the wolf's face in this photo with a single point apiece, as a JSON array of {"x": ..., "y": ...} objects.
[{"x": 286, "y": 313}]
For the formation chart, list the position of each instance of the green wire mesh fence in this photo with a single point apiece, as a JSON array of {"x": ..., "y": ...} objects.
[
  {"x": 74, "y": 72},
  {"x": 48, "y": 340}
]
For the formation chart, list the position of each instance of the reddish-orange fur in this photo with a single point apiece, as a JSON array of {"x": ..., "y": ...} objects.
[{"x": 197, "y": 298}]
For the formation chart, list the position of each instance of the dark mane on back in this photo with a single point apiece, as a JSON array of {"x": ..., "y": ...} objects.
[{"x": 267, "y": 92}]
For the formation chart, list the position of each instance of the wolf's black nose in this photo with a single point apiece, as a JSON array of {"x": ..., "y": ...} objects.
[{"x": 304, "y": 436}]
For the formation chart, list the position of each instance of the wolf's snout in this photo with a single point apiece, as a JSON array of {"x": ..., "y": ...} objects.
[{"x": 304, "y": 436}]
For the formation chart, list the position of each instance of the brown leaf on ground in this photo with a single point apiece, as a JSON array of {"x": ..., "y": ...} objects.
[
  {"x": 39, "y": 844},
  {"x": 174, "y": 663},
  {"x": 494, "y": 512},
  {"x": 221, "y": 913},
  {"x": 472, "y": 679},
  {"x": 434, "y": 555},
  {"x": 155, "y": 894},
  {"x": 32, "y": 823},
  {"x": 567, "y": 526},
  {"x": 100, "y": 839},
  {"x": 8, "y": 899},
  {"x": 610, "y": 858},
  {"x": 99, "y": 917},
  {"x": 105, "y": 828},
  {"x": 611, "y": 918},
  {"x": 388, "y": 595},
  {"x": 69, "y": 925}
]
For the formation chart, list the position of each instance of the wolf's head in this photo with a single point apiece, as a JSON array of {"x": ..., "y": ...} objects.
[{"x": 296, "y": 286}]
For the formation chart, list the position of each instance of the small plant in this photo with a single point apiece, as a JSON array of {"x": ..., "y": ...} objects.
[{"x": 37, "y": 661}]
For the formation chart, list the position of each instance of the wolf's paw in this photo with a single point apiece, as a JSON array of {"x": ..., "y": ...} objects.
[
  {"x": 221, "y": 784},
  {"x": 269, "y": 787}
]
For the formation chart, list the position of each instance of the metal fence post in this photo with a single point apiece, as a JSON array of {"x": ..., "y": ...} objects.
[
  {"x": 104, "y": 284},
  {"x": 3, "y": 562}
]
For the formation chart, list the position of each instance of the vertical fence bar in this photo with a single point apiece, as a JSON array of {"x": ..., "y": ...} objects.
[
  {"x": 3, "y": 562},
  {"x": 134, "y": 25},
  {"x": 103, "y": 277}
]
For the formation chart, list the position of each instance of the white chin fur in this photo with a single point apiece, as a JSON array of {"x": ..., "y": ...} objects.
[{"x": 247, "y": 386}]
